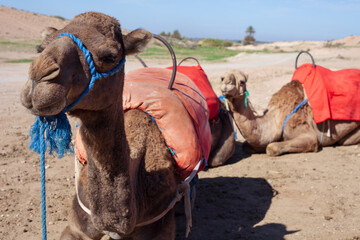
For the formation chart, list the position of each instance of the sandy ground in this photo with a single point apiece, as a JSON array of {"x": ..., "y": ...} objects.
[{"x": 253, "y": 196}]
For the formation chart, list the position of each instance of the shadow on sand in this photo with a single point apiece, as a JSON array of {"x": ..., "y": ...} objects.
[{"x": 229, "y": 208}]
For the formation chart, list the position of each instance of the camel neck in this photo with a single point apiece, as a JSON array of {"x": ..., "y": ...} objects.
[
  {"x": 241, "y": 113},
  {"x": 247, "y": 122},
  {"x": 109, "y": 171},
  {"x": 103, "y": 133}
]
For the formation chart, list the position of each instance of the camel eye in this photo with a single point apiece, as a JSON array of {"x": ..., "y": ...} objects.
[
  {"x": 243, "y": 82},
  {"x": 222, "y": 79}
]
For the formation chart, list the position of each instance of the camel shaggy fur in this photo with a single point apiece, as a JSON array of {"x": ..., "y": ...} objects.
[
  {"x": 222, "y": 139},
  {"x": 130, "y": 177},
  {"x": 301, "y": 133}
]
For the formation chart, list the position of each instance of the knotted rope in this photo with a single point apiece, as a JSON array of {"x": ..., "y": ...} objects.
[{"x": 54, "y": 132}]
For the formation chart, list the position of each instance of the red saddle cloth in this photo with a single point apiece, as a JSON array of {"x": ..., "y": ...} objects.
[
  {"x": 332, "y": 94},
  {"x": 181, "y": 114},
  {"x": 198, "y": 76}
]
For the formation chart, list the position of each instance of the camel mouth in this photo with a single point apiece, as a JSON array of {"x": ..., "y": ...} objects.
[
  {"x": 229, "y": 93},
  {"x": 48, "y": 110}
]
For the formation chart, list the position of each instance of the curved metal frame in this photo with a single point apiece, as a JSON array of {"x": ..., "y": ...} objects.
[
  {"x": 188, "y": 59},
  {"x": 312, "y": 59},
  {"x": 173, "y": 57}
]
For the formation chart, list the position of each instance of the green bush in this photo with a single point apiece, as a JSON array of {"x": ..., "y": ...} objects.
[
  {"x": 211, "y": 42},
  {"x": 249, "y": 40}
]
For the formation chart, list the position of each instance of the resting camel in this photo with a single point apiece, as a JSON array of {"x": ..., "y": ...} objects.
[
  {"x": 222, "y": 134},
  {"x": 301, "y": 133},
  {"x": 130, "y": 176},
  {"x": 222, "y": 139}
]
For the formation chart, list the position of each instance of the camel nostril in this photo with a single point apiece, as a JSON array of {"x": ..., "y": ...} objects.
[{"x": 51, "y": 75}]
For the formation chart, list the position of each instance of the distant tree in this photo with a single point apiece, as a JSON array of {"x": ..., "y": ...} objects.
[
  {"x": 176, "y": 34},
  {"x": 250, "y": 30},
  {"x": 249, "y": 38}
]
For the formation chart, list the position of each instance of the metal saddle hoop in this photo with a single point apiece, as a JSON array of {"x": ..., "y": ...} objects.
[
  {"x": 192, "y": 58},
  {"x": 312, "y": 59},
  {"x": 173, "y": 57}
]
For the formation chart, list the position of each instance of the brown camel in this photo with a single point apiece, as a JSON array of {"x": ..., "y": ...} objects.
[
  {"x": 301, "y": 133},
  {"x": 222, "y": 134},
  {"x": 130, "y": 177},
  {"x": 222, "y": 139}
]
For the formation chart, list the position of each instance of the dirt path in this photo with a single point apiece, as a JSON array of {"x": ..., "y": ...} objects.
[{"x": 297, "y": 196}]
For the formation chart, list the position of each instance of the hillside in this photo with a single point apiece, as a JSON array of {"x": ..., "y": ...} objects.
[{"x": 22, "y": 25}]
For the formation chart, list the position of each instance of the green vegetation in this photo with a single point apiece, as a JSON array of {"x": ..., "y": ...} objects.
[
  {"x": 25, "y": 60},
  {"x": 211, "y": 42},
  {"x": 19, "y": 45},
  {"x": 330, "y": 44},
  {"x": 59, "y": 17},
  {"x": 176, "y": 34},
  {"x": 249, "y": 38},
  {"x": 202, "y": 53}
]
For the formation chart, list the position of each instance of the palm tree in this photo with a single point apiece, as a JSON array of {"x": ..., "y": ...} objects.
[
  {"x": 249, "y": 39},
  {"x": 250, "y": 30}
]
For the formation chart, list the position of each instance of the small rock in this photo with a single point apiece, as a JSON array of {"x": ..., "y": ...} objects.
[{"x": 328, "y": 218}]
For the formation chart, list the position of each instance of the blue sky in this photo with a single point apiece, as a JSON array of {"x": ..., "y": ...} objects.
[{"x": 275, "y": 20}]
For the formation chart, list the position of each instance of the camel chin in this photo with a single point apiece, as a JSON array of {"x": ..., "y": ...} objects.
[{"x": 50, "y": 110}]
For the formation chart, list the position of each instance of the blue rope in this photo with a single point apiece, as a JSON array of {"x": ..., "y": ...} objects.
[
  {"x": 294, "y": 111},
  {"x": 43, "y": 191},
  {"x": 94, "y": 74},
  {"x": 58, "y": 129}
]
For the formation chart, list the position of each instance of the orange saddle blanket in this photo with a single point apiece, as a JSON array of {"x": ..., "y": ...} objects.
[
  {"x": 181, "y": 113},
  {"x": 332, "y": 94},
  {"x": 198, "y": 76}
]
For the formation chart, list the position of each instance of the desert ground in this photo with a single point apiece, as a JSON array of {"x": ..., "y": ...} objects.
[{"x": 253, "y": 196}]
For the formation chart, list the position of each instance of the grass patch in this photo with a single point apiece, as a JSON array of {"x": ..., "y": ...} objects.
[
  {"x": 25, "y": 60},
  {"x": 19, "y": 45},
  {"x": 201, "y": 53}
]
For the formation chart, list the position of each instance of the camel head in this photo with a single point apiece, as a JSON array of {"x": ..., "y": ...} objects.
[
  {"x": 233, "y": 84},
  {"x": 59, "y": 75}
]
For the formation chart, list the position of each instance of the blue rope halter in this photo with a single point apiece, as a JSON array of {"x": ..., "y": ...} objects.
[
  {"x": 58, "y": 129},
  {"x": 294, "y": 111}
]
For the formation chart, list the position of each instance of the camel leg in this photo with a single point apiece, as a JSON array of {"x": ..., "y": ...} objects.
[
  {"x": 81, "y": 227},
  {"x": 225, "y": 147},
  {"x": 164, "y": 229},
  {"x": 300, "y": 144},
  {"x": 351, "y": 139}
]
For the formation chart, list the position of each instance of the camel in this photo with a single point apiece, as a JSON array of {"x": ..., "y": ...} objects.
[
  {"x": 222, "y": 139},
  {"x": 222, "y": 134},
  {"x": 130, "y": 177},
  {"x": 265, "y": 132}
]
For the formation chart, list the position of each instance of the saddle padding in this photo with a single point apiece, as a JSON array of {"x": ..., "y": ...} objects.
[
  {"x": 199, "y": 77},
  {"x": 181, "y": 113},
  {"x": 332, "y": 94}
]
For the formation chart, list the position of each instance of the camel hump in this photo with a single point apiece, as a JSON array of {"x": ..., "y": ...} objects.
[{"x": 181, "y": 113}]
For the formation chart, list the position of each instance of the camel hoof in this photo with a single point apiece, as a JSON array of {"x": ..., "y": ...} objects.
[{"x": 272, "y": 150}]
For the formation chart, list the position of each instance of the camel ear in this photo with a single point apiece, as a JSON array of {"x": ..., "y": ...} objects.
[
  {"x": 136, "y": 41},
  {"x": 44, "y": 34},
  {"x": 47, "y": 31}
]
